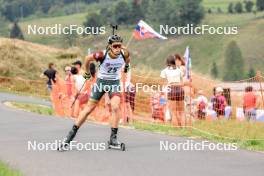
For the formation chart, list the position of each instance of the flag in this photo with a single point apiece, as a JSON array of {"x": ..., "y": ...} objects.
[
  {"x": 144, "y": 31},
  {"x": 188, "y": 63}
]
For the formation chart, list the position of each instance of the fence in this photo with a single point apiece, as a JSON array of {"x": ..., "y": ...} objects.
[{"x": 149, "y": 105}]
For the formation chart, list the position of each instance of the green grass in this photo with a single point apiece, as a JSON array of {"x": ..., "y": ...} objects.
[
  {"x": 5, "y": 170},
  {"x": 246, "y": 135},
  {"x": 40, "y": 109},
  {"x": 223, "y": 4}
]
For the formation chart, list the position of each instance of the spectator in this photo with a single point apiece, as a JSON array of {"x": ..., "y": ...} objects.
[
  {"x": 202, "y": 103},
  {"x": 50, "y": 73},
  {"x": 250, "y": 104},
  {"x": 78, "y": 65},
  {"x": 173, "y": 76},
  {"x": 157, "y": 107},
  {"x": 130, "y": 100},
  {"x": 69, "y": 81},
  {"x": 220, "y": 103},
  {"x": 80, "y": 91}
]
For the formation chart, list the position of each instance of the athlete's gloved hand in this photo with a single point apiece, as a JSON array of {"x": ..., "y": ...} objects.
[
  {"x": 87, "y": 75},
  {"x": 126, "y": 68}
]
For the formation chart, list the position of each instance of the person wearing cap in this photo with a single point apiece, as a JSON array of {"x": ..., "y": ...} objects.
[{"x": 108, "y": 81}]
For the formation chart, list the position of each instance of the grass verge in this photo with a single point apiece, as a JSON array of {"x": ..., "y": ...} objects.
[
  {"x": 40, "y": 109},
  {"x": 5, "y": 170}
]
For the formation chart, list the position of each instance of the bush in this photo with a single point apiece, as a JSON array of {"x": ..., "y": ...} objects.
[
  {"x": 238, "y": 7},
  {"x": 16, "y": 32}
]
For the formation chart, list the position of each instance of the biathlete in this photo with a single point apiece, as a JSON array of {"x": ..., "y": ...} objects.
[{"x": 108, "y": 80}]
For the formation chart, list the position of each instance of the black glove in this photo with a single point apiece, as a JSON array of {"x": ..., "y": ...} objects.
[
  {"x": 126, "y": 68},
  {"x": 87, "y": 75}
]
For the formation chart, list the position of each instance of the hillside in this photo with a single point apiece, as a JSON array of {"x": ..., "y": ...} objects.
[
  {"x": 27, "y": 60},
  {"x": 151, "y": 54}
]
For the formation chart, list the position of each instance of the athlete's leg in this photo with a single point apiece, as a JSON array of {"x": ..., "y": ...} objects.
[
  {"x": 85, "y": 113},
  {"x": 94, "y": 99},
  {"x": 79, "y": 121},
  {"x": 115, "y": 109}
]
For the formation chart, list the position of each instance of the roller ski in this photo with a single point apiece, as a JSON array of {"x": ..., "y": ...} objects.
[
  {"x": 65, "y": 145},
  {"x": 113, "y": 143}
]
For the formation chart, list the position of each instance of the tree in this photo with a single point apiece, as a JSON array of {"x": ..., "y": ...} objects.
[
  {"x": 260, "y": 5},
  {"x": 136, "y": 11},
  {"x": 190, "y": 12},
  {"x": 16, "y": 32},
  {"x": 238, "y": 7},
  {"x": 251, "y": 72},
  {"x": 70, "y": 38},
  {"x": 219, "y": 10},
  {"x": 234, "y": 63},
  {"x": 214, "y": 70},
  {"x": 249, "y": 6},
  {"x": 93, "y": 20},
  {"x": 230, "y": 8},
  {"x": 107, "y": 15},
  {"x": 122, "y": 11}
]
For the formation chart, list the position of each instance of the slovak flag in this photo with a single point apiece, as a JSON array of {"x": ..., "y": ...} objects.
[
  {"x": 188, "y": 63},
  {"x": 144, "y": 31}
]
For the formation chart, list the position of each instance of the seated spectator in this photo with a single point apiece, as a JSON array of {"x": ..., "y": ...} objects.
[
  {"x": 211, "y": 114},
  {"x": 157, "y": 107},
  {"x": 130, "y": 94},
  {"x": 250, "y": 104},
  {"x": 202, "y": 103},
  {"x": 228, "y": 112}
]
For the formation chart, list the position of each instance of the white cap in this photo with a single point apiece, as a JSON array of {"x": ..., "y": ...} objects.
[{"x": 219, "y": 89}]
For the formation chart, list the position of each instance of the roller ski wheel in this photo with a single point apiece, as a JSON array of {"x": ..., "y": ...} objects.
[
  {"x": 63, "y": 147},
  {"x": 119, "y": 146}
]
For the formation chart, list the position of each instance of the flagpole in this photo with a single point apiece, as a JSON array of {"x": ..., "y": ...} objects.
[
  {"x": 130, "y": 40},
  {"x": 124, "y": 89}
]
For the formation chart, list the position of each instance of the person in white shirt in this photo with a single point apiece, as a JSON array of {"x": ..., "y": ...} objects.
[{"x": 173, "y": 76}]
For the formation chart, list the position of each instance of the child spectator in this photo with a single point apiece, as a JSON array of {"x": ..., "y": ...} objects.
[{"x": 202, "y": 103}]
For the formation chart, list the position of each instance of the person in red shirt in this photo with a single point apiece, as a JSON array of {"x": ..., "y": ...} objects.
[{"x": 250, "y": 104}]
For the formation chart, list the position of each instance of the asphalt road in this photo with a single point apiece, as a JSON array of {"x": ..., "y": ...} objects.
[{"x": 143, "y": 155}]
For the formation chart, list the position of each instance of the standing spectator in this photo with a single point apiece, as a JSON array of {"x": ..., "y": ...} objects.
[
  {"x": 250, "y": 104},
  {"x": 202, "y": 103},
  {"x": 80, "y": 91},
  {"x": 78, "y": 64},
  {"x": 50, "y": 73},
  {"x": 69, "y": 81},
  {"x": 220, "y": 103},
  {"x": 173, "y": 76}
]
